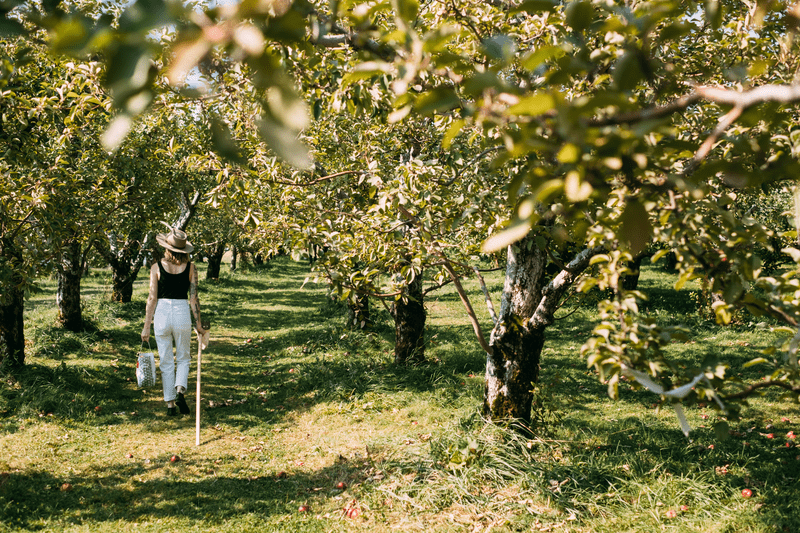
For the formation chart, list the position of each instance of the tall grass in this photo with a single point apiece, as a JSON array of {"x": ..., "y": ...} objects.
[{"x": 295, "y": 403}]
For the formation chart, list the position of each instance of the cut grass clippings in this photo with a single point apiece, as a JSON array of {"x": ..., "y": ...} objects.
[{"x": 310, "y": 426}]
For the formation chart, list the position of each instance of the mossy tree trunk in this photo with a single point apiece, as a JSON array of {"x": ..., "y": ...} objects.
[
  {"x": 630, "y": 282},
  {"x": 513, "y": 366},
  {"x": 12, "y": 308},
  {"x": 125, "y": 260},
  {"x": 215, "y": 260},
  {"x": 409, "y": 325},
  {"x": 68, "y": 296},
  {"x": 527, "y": 308}
]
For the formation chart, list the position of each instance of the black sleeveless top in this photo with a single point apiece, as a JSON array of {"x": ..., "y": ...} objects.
[{"x": 173, "y": 286}]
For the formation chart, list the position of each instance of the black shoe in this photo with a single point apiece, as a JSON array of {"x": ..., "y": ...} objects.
[
  {"x": 171, "y": 411},
  {"x": 181, "y": 403}
]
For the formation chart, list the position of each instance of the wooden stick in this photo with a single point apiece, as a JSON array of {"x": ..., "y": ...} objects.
[
  {"x": 197, "y": 401},
  {"x": 202, "y": 341}
]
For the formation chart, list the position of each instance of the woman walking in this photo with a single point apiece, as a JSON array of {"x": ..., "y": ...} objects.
[{"x": 173, "y": 291}]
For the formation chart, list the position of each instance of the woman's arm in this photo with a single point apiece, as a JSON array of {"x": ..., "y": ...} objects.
[
  {"x": 194, "y": 300},
  {"x": 152, "y": 299}
]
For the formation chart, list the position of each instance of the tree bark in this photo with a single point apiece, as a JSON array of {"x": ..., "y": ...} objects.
[
  {"x": 12, "y": 307},
  {"x": 125, "y": 261},
  {"x": 409, "y": 325},
  {"x": 215, "y": 260},
  {"x": 513, "y": 365},
  {"x": 527, "y": 308},
  {"x": 630, "y": 282},
  {"x": 68, "y": 297}
]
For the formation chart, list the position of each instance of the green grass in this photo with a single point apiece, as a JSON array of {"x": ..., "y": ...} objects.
[{"x": 294, "y": 403}]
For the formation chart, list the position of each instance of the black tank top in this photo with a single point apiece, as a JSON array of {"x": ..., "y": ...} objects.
[{"x": 173, "y": 286}]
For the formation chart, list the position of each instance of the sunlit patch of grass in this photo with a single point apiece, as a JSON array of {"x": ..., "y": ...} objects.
[{"x": 294, "y": 403}]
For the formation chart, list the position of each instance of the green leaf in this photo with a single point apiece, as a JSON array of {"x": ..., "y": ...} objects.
[
  {"x": 71, "y": 35},
  {"x": 628, "y": 71},
  {"x": 499, "y": 47},
  {"x": 658, "y": 255},
  {"x": 754, "y": 362},
  {"x": 223, "y": 141},
  {"x": 475, "y": 85},
  {"x": 535, "y": 6},
  {"x": 285, "y": 143},
  {"x": 366, "y": 71},
  {"x": 533, "y": 105},
  {"x": 130, "y": 70},
  {"x": 535, "y": 58},
  {"x": 579, "y": 15},
  {"x": 143, "y": 15},
  {"x": 714, "y": 13},
  {"x": 116, "y": 131},
  {"x": 406, "y": 9},
  {"x": 437, "y": 100},
  {"x": 11, "y": 28},
  {"x": 511, "y": 234},
  {"x": 723, "y": 312},
  {"x": 452, "y": 132}
]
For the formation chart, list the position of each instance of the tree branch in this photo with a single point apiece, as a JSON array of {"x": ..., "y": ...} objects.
[
  {"x": 784, "y": 94},
  {"x": 318, "y": 180},
  {"x": 476, "y": 326},
  {"x": 760, "y": 385},
  {"x": 553, "y": 291},
  {"x": 486, "y": 294}
]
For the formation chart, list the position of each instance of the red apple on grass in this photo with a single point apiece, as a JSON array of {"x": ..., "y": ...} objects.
[
  {"x": 341, "y": 485},
  {"x": 746, "y": 493},
  {"x": 174, "y": 459},
  {"x": 303, "y": 509}
]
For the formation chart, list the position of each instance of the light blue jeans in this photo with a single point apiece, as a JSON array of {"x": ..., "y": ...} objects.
[{"x": 172, "y": 325}]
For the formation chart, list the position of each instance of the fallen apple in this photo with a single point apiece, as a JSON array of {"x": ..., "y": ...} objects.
[
  {"x": 66, "y": 487},
  {"x": 129, "y": 455},
  {"x": 341, "y": 485},
  {"x": 303, "y": 509},
  {"x": 174, "y": 459},
  {"x": 352, "y": 513},
  {"x": 746, "y": 493}
]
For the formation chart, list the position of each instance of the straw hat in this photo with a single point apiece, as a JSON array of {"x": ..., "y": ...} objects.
[{"x": 175, "y": 240}]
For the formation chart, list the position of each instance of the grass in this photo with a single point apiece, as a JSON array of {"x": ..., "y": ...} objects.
[{"x": 294, "y": 403}]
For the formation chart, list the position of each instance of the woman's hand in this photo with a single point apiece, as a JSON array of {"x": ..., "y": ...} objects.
[{"x": 146, "y": 334}]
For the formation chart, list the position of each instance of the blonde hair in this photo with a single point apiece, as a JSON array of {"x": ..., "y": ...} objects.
[{"x": 176, "y": 258}]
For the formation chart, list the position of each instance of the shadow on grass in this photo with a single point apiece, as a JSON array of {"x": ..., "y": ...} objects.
[{"x": 34, "y": 498}]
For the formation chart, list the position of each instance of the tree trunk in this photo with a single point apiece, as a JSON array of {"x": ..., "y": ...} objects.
[
  {"x": 630, "y": 282},
  {"x": 12, "y": 306},
  {"x": 215, "y": 260},
  {"x": 125, "y": 262},
  {"x": 409, "y": 325},
  {"x": 527, "y": 308},
  {"x": 68, "y": 297},
  {"x": 513, "y": 366},
  {"x": 234, "y": 256}
]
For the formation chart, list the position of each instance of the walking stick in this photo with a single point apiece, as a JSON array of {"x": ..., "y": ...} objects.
[{"x": 202, "y": 342}]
